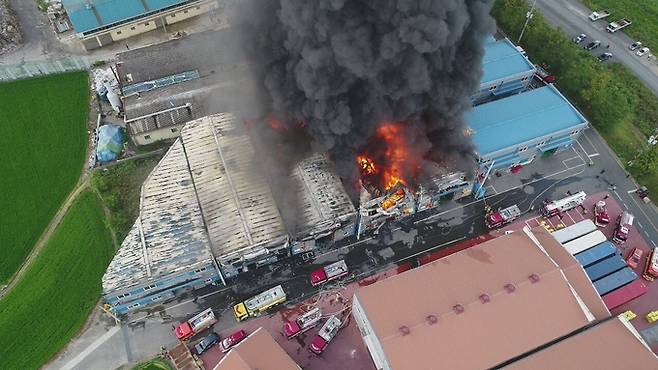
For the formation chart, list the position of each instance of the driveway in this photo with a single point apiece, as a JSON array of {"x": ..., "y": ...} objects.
[{"x": 572, "y": 17}]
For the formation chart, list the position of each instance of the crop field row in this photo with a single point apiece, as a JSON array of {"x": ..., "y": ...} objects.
[{"x": 54, "y": 297}]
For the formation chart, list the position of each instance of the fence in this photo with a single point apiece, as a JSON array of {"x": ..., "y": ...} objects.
[{"x": 10, "y": 72}]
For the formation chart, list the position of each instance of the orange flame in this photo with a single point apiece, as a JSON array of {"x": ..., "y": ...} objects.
[{"x": 394, "y": 157}]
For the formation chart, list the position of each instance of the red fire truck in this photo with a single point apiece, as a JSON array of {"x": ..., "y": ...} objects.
[
  {"x": 651, "y": 268},
  {"x": 328, "y": 273},
  {"x": 305, "y": 322},
  {"x": 553, "y": 208},
  {"x": 601, "y": 217},
  {"x": 196, "y": 324},
  {"x": 624, "y": 222},
  {"x": 327, "y": 332},
  {"x": 494, "y": 220}
]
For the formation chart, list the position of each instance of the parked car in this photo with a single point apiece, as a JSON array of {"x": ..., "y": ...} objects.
[
  {"x": 578, "y": 39},
  {"x": 592, "y": 45},
  {"x": 642, "y": 51},
  {"x": 233, "y": 339},
  {"x": 206, "y": 343},
  {"x": 635, "y": 45},
  {"x": 634, "y": 258},
  {"x": 605, "y": 56}
]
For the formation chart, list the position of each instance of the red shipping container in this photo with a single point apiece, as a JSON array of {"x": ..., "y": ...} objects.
[{"x": 624, "y": 294}]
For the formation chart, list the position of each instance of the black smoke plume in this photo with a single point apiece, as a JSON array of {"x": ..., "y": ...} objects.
[{"x": 344, "y": 67}]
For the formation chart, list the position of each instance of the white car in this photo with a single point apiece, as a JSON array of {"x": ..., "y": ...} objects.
[
  {"x": 578, "y": 39},
  {"x": 642, "y": 51},
  {"x": 635, "y": 45}
]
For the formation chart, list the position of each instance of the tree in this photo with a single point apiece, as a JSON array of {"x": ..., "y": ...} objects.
[{"x": 647, "y": 161}]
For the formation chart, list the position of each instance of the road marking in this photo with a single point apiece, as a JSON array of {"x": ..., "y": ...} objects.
[
  {"x": 631, "y": 191},
  {"x": 625, "y": 206},
  {"x": 583, "y": 149},
  {"x": 645, "y": 214},
  {"x": 92, "y": 347},
  {"x": 589, "y": 141},
  {"x": 572, "y": 220},
  {"x": 640, "y": 224},
  {"x": 652, "y": 242},
  {"x": 593, "y": 155}
]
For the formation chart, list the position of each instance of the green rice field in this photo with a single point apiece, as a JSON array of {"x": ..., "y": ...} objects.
[
  {"x": 54, "y": 297},
  {"x": 42, "y": 145}
]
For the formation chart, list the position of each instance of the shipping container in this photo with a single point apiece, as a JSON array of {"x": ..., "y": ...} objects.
[
  {"x": 596, "y": 253},
  {"x": 585, "y": 242},
  {"x": 614, "y": 281},
  {"x": 605, "y": 267},
  {"x": 574, "y": 231},
  {"x": 625, "y": 294}
]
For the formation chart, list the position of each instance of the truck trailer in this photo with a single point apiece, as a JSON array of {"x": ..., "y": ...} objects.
[
  {"x": 196, "y": 324},
  {"x": 596, "y": 254},
  {"x": 604, "y": 268},
  {"x": 624, "y": 294},
  {"x": 614, "y": 281},
  {"x": 574, "y": 231},
  {"x": 599, "y": 14},
  {"x": 585, "y": 242}
]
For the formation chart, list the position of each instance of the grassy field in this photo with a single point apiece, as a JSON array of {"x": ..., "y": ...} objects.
[
  {"x": 120, "y": 186},
  {"x": 42, "y": 145},
  {"x": 53, "y": 299},
  {"x": 643, "y": 14},
  {"x": 622, "y": 109}
]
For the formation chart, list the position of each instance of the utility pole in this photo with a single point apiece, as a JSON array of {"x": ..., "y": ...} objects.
[{"x": 528, "y": 16}]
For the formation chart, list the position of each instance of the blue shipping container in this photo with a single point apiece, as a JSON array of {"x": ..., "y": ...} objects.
[
  {"x": 596, "y": 253},
  {"x": 614, "y": 281},
  {"x": 605, "y": 267}
]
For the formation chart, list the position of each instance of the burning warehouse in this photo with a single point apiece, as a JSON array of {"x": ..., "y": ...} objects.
[{"x": 207, "y": 213}]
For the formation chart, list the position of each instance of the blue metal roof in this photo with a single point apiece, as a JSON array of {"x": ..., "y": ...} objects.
[
  {"x": 88, "y": 15},
  {"x": 520, "y": 118},
  {"x": 502, "y": 59}
]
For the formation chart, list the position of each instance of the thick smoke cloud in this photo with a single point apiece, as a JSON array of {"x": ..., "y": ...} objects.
[{"x": 345, "y": 67}]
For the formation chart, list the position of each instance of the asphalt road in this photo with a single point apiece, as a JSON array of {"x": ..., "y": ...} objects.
[{"x": 572, "y": 17}]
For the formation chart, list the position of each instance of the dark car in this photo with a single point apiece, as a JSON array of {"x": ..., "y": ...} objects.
[
  {"x": 592, "y": 45},
  {"x": 605, "y": 56},
  {"x": 206, "y": 343}
]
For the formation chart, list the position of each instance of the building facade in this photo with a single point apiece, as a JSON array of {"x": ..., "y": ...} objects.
[
  {"x": 505, "y": 70},
  {"x": 98, "y": 23}
]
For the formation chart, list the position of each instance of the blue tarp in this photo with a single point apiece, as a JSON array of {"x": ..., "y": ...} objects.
[{"x": 110, "y": 143}]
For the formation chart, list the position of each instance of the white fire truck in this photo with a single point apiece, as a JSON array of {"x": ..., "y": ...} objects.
[
  {"x": 601, "y": 217},
  {"x": 552, "y": 208},
  {"x": 327, "y": 332},
  {"x": 501, "y": 217},
  {"x": 624, "y": 222}
]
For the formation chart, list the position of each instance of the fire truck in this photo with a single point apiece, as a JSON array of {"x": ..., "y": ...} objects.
[
  {"x": 553, "y": 208},
  {"x": 651, "y": 267},
  {"x": 303, "y": 323},
  {"x": 196, "y": 324},
  {"x": 494, "y": 220},
  {"x": 327, "y": 332},
  {"x": 258, "y": 304},
  {"x": 624, "y": 222},
  {"x": 328, "y": 273},
  {"x": 601, "y": 217}
]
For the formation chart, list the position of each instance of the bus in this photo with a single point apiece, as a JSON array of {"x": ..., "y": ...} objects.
[{"x": 260, "y": 303}]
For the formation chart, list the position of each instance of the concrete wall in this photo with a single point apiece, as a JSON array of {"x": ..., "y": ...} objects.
[
  {"x": 154, "y": 136},
  {"x": 368, "y": 334}
]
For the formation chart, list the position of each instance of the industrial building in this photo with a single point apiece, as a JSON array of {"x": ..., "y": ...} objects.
[
  {"x": 208, "y": 212},
  {"x": 511, "y": 132},
  {"x": 505, "y": 71},
  {"x": 466, "y": 302},
  {"x": 98, "y": 23},
  {"x": 259, "y": 351}
]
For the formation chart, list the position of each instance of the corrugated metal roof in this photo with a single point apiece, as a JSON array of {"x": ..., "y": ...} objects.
[
  {"x": 168, "y": 236},
  {"x": 87, "y": 15},
  {"x": 520, "y": 118},
  {"x": 501, "y": 59}
]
